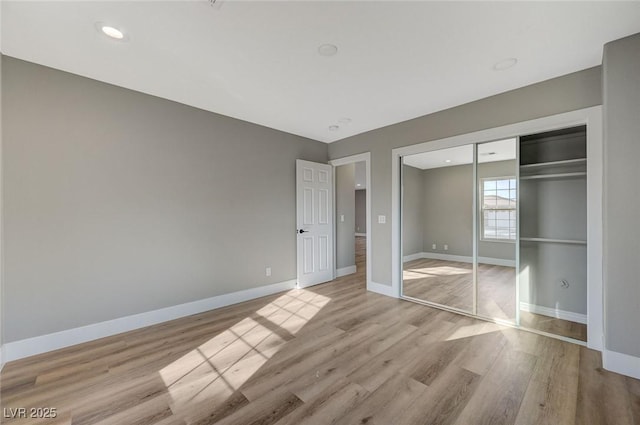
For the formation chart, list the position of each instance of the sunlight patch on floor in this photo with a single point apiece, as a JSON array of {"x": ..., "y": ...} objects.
[
  {"x": 217, "y": 368},
  {"x": 490, "y": 308},
  {"x": 416, "y": 272},
  {"x": 473, "y": 330}
]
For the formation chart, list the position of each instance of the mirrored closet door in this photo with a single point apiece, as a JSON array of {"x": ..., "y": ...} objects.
[
  {"x": 437, "y": 210},
  {"x": 498, "y": 230}
]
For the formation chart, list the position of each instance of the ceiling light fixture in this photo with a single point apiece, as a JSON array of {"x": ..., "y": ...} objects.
[
  {"x": 328, "y": 50},
  {"x": 358, "y": 185},
  {"x": 505, "y": 64},
  {"x": 447, "y": 161},
  {"x": 111, "y": 32},
  {"x": 334, "y": 128}
]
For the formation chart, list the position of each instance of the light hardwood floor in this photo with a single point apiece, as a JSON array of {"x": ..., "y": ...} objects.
[
  {"x": 450, "y": 283},
  {"x": 330, "y": 354}
]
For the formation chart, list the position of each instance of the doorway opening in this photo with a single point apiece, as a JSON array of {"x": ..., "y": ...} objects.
[{"x": 353, "y": 218}]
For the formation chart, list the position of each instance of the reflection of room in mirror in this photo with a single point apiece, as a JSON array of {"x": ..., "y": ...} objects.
[
  {"x": 438, "y": 227},
  {"x": 440, "y": 247},
  {"x": 449, "y": 283},
  {"x": 497, "y": 228}
]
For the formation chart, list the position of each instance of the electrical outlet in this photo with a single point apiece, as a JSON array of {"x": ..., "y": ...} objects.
[
  {"x": 267, "y": 271},
  {"x": 434, "y": 246},
  {"x": 446, "y": 247}
]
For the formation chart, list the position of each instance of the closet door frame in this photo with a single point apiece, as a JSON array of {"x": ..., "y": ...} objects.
[{"x": 592, "y": 118}]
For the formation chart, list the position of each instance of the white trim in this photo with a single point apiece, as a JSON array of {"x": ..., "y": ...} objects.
[
  {"x": 345, "y": 271},
  {"x": 382, "y": 289},
  {"x": 592, "y": 117},
  {"x": 460, "y": 258},
  {"x": 361, "y": 234},
  {"x": 595, "y": 226},
  {"x": 44, "y": 343},
  {"x": 496, "y": 261},
  {"x": 366, "y": 158},
  {"x": 1, "y": 357},
  {"x": 621, "y": 363},
  {"x": 396, "y": 222},
  {"x": 412, "y": 257},
  {"x": 554, "y": 312}
]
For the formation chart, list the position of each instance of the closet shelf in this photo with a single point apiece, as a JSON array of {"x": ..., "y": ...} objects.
[
  {"x": 553, "y": 176},
  {"x": 548, "y": 240},
  {"x": 576, "y": 161}
]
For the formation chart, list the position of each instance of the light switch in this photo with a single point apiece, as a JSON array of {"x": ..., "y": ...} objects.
[
  {"x": 382, "y": 219},
  {"x": 341, "y": 217}
]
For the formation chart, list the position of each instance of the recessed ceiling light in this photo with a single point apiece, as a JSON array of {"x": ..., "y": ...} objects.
[
  {"x": 111, "y": 31},
  {"x": 344, "y": 120},
  {"x": 447, "y": 161},
  {"x": 328, "y": 50},
  {"x": 505, "y": 64},
  {"x": 334, "y": 128}
]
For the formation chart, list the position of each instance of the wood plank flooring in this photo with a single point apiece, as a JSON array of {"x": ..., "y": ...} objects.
[
  {"x": 450, "y": 283},
  {"x": 330, "y": 354}
]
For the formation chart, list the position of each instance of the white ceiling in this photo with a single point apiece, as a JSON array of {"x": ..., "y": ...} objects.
[
  {"x": 258, "y": 61},
  {"x": 500, "y": 150}
]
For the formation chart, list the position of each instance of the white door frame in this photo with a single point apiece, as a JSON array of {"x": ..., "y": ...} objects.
[
  {"x": 366, "y": 158},
  {"x": 592, "y": 117}
]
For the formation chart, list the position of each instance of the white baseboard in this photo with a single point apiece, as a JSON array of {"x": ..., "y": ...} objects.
[
  {"x": 345, "y": 271},
  {"x": 381, "y": 289},
  {"x": 553, "y": 312},
  {"x": 497, "y": 261},
  {"x": 411, "y": 257},
  {"x": 459, "y": 258},
  {"x": 361, "y": 234},
  {"x": 623, "y": 364},
  {"x": 44, "y": 343}
]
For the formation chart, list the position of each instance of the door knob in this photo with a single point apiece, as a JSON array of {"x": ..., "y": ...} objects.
[{"x": 302, "y": 231}]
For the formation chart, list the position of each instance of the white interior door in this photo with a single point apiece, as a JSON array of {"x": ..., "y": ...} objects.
[{"x": 314, "y": 215}]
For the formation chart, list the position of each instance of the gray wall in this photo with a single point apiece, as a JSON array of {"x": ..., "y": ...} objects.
[
  {"x": 118, "y": 203},
  {"x": 361, "y": 211},
  {"x": 412, "y": 210},
  {"x": 554, "y": 209},
  {"x": 542, "y": 268},
  {"x": 448, "y": 209},
  {"x": 567, "y": 93},
  {"x": 621, "y": 90},
  {"x": 345, "y": 206},
  {"x": 438, "y": 206}
]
